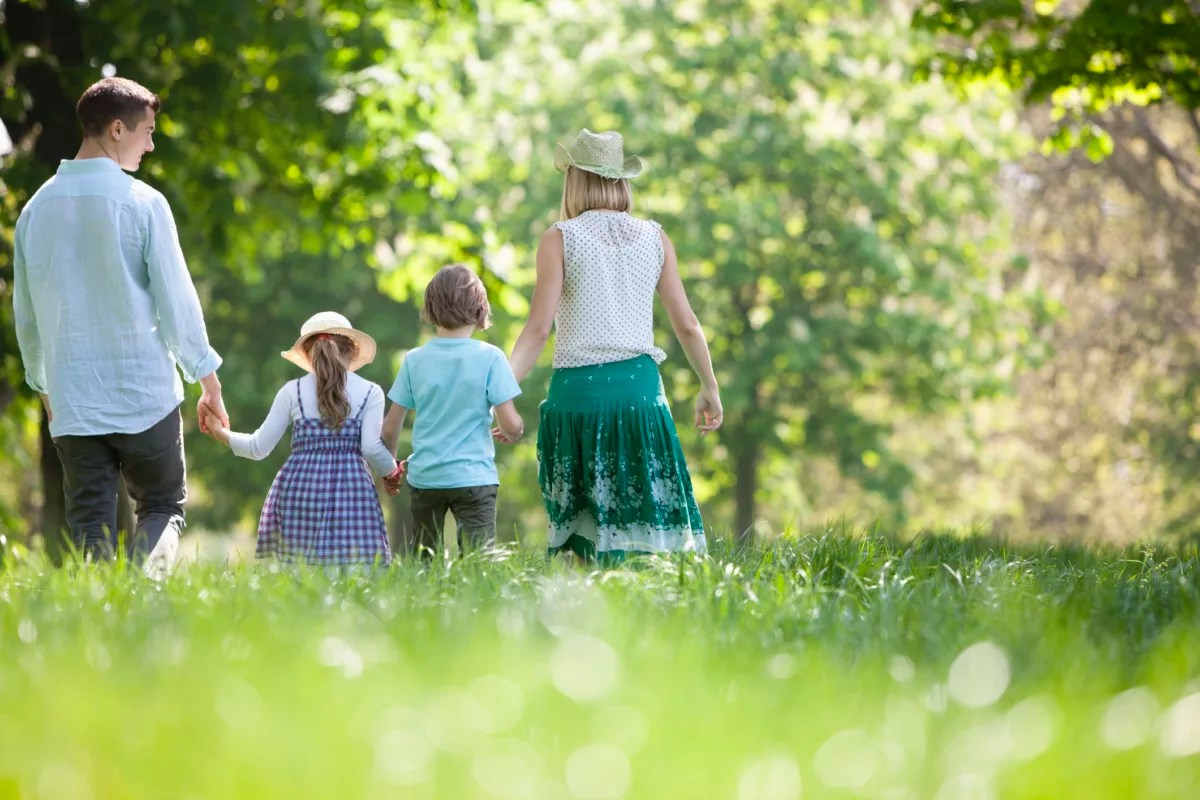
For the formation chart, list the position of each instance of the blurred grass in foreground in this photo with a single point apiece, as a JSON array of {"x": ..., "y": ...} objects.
[{"x": 816, "y": 666}]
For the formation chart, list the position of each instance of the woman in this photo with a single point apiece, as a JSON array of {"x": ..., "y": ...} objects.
[{"x": 612, "y": 473}]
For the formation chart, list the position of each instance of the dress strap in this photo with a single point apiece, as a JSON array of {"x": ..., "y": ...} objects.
[
  {"x": 299, "y": 402},
  {"x": 363, "y": 406}
]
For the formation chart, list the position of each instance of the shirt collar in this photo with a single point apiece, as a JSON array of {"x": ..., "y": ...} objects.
[{"x": 83, "y": 166}]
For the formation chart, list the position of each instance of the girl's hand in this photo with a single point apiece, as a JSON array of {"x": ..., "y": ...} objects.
[
  {"x": 214, "y": 427},
  {"x": 393, "y": 482},
  {"x": 709, "y": 414}
]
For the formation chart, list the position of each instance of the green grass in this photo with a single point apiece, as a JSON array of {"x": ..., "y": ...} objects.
[{"x": 820, "y": 666}]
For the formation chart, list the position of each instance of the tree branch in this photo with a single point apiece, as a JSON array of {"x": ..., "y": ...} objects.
[{"x": 1183, "y": 169}]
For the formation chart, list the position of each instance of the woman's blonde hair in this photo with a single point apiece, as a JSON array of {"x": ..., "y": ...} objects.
[
  {"x": 329, "y": 354},
  {"x": 584, "y": 191}
]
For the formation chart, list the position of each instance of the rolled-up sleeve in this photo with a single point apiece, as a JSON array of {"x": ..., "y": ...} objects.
[
  {"x": 29, "y": 340},
  {"x": 180, "y": 319}
]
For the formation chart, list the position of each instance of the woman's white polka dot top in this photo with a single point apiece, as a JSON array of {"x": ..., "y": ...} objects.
[{"x": 611, "y": 265}]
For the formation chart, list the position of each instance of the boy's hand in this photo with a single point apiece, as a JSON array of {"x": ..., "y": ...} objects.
[{"x": 500, "y": 436}]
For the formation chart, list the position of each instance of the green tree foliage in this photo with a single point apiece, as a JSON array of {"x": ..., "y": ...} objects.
[
  {"x": 836, "y": 223},
  {"x": 283, "y": 164},
  {"x": 833, "y": 221},
  {"x": 1083, "y": 56}
]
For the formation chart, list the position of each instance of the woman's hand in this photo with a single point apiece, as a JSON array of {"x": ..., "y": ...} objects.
[{"x": 709, "y": 413}]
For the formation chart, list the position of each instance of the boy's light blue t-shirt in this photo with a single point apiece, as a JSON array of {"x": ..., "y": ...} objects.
[{"x": 452, "y": 384}]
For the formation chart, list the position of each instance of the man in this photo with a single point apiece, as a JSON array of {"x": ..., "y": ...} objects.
[{"x": 105, "y": 309}]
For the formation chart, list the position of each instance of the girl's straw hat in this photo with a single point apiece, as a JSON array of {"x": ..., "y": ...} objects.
[
  {"x": 331, "y": 322},
  {"x": 601, "y": 153}
]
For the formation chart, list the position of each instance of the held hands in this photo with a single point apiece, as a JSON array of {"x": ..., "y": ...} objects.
[
  {"x": 213, "y": 425},
  {"x": 709, "y": 414},
  {"x": 211, "y": 405},
  {"x": 510, "y": 437},
  {"x": 393, "y": 481},
  {"x": 507, "y": 438},
  {"x": 509, "y": 425}
]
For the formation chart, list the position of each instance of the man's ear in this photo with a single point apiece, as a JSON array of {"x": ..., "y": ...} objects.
[{"x": 116, "y": 128}]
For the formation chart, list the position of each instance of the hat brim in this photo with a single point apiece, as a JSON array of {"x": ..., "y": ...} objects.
[
  {"x": 364, "y": 353},
  {"x": 630, "y": 169}
]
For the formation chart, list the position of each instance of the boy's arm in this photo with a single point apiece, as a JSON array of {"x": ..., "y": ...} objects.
[
  {"x": 510, "y": 425},
  {"x": 392, "y": 423}
]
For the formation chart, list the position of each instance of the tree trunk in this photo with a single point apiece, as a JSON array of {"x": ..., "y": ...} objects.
[
  {"x": 47, "y": 123},
  {"x": 53, "y": 523},
  {"x": 746, "y": 477}
]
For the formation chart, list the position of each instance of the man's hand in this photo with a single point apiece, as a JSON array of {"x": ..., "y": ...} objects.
[
  {"x": 211, "y": 402},
  {"x": 46, "y": 405}
]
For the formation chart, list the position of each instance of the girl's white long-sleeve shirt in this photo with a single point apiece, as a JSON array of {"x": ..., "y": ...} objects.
[{"x": 286, "y": 409}]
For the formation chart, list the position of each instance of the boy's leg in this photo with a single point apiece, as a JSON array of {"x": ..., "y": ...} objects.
[
  {"x": 90, "y": 472},
  {"x": 153, "y": 466},
  {"x": 428, "y": 517},
  {"x": 474, "y": 509}
]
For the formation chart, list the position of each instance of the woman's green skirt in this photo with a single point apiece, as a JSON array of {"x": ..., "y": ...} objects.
[{"x": 610, "y": 466}]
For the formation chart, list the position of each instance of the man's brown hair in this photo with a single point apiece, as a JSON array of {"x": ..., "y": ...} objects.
[
  {"x": 114, "y": 98},
  {"x": 456, "y": 297}
]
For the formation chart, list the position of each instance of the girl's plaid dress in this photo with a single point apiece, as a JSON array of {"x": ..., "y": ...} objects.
[{"x": 323, "y": 507}]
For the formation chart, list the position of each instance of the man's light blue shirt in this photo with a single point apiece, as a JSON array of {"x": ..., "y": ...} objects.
[
  {"x": 453, "y": 384},
  {"x": 104, "y": 305}
]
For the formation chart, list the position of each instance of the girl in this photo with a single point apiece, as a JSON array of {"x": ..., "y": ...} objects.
[
  {"x": 322, "y": 507},
  {"x": 613, "y": 477},
  {"x": 455, "y": 384}
]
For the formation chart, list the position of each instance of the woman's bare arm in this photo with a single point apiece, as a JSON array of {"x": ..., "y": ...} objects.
[
  {"x": 690, "y": 334},
  {"x": 542, "y": 307}
]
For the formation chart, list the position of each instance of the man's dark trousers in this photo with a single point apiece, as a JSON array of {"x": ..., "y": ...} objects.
[{"x": 151, "y": 463}]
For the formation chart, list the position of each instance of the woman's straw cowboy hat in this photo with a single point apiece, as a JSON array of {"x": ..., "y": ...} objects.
[
  {"x": 601, "y": 153},
  {"x": 333, "y": 323}
]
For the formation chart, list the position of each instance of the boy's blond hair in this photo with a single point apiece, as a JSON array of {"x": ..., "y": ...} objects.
[{"x": 584, "y": 191}]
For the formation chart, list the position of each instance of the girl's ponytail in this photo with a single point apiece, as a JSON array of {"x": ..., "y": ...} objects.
[{"x": 329, "y": 353}]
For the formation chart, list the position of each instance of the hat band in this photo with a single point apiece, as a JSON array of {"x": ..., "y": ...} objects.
[{"x": 602, "y": 170}]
